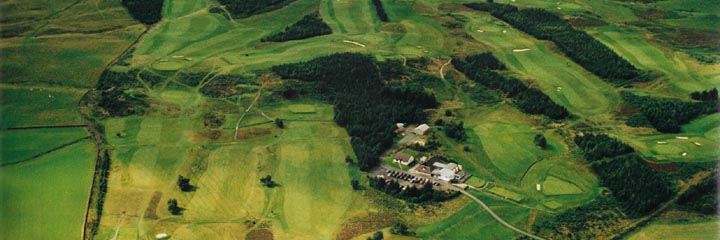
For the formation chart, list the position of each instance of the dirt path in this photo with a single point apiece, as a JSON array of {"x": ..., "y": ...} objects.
[
  {"x": 237, "y": 124},
  {"x": 442, "y": 69}
]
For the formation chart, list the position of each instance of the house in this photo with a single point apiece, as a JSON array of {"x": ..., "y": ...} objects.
[
  {"x": 404, "y": 159},
  {"x": 421, "y": 130}
]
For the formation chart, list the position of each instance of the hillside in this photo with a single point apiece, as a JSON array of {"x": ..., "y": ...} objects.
[{"x": 323, "y": 119}]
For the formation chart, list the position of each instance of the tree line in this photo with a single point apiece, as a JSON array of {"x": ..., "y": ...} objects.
[
  {"x": 665, "y": 114},
  {"x": 637, "y": 187},
  {"x": 309, "y": 26},
  {"x": 364, "y": 105},
  {"x": 579, "y": 46},
  {"x": 703, "y": 197},
  {"x": 481, "y": 69},
  {"x": 412, "y": 194},
  {"x": 380, "y": 10},
  {"x": 145, "y": 11},
  {"x": 247, "y": 8}
]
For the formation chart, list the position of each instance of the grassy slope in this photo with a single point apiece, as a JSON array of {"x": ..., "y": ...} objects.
[
  {"x": 690, "y": 231},
  {"x": 39, "y": 106},
  {"x": 582, "y": 93},
  {"x": 46, "y": 198}
]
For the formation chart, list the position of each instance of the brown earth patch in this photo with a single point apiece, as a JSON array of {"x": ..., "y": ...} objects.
[
  {"x": 259, "y": 234},
  {"x": 360, "y": 225},
  {"x": 586, "y": 22},
  {"x": 248, "y": 133},
  {"x": 663, "y": 167},
  {"x": 151, "y": 210}
]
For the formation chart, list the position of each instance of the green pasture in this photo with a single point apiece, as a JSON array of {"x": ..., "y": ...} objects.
[
  {"x": 63, "y": 60},
  {"x": 689, "y": 231},
  {"x": 475, "y": 221},
  {"x": 560, "y": 78},
  {"x": 46, "y": 198},
  {"x": 24, "y": 106},
  {"x": 20, "y": 145}
]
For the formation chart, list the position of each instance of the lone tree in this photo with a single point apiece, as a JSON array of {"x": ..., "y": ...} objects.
[
  {"x": 214, "y": 119},
  {"x": 377, "y": 236},
  {"x": 267, "y": 181},
  {"x": 173, "y": 207},
  {"x": 540, "y": 141},
  {"x": 184, "y": 184},
  {"x": 279, "y": 123},
  {"x": 355, "y": 184},
  {"x": 348, "y": 160},
  {"x": 400, "y": 229}
]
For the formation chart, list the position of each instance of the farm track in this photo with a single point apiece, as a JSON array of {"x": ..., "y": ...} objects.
[{"x": 45, "y": 152}]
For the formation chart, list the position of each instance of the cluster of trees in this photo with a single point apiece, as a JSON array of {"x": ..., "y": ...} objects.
[
  {"x": 702, "y": 197},
  {"x": 455, "y": 131},
  {"x": 481, "y": 69},
  {"x": 364, "y": 105},
  {"x": 380, "y": 11},
  {"x": 173, "y": 207},
  {"x": 577, "y": 45},
  {"x": 309, "y": 26},
  {"x": 268, "y": 182},
  {"x": 636, "y": 186},
  {"x": 184, "y": 184},
  {"x": 279, "y": 123},
  {"x": 707, "y": 95},
  {"x": 122, "y": 102},
  {"x": 247, "y": 8},
  {"x": 145, "y": 11},
  {"x": 582, "y": 222},
  {"x": 666, "y": 114},
  {"x": 412, "y": 194}
]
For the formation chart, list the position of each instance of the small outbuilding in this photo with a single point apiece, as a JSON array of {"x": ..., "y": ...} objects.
[
  {"x": 404, "y": 159},
  {"x": 421, "y": 130}
]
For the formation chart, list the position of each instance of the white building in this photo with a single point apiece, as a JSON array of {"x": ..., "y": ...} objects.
[{"x": 421, "y": 130}]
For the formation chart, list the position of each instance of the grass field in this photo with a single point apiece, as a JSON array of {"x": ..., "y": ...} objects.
[
  {"x": 565, "y": 82},
  {"x": 20, "y": 145},
  {"x": 506, "y": 194},
  {"x": 689, "y": 231},
  {"x": 46, "y": 198},
  {"x": 575, "y": 178},
  {"x": 306, "y": 158},
  {"x": 475, "y": 221}
]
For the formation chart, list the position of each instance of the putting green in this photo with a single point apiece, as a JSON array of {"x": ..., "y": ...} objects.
[
  {"x": 555, "y": 186},
  {"x": 167, "y": 66}
]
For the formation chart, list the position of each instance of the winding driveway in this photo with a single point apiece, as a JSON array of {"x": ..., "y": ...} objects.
[{"x": 496, "y": 217}]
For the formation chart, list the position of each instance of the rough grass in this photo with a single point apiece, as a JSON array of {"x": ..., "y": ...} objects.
[
  {"x": 306, "y": 159},
  {"x": 46, "y": 198}
]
